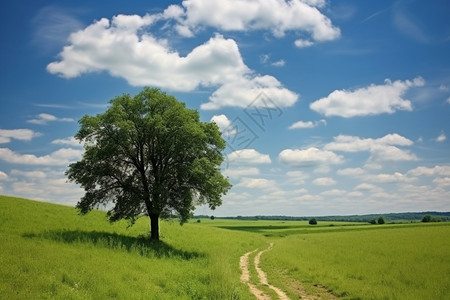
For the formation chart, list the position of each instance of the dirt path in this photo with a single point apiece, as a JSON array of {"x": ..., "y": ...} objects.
[{"x": 245, "y": 277}]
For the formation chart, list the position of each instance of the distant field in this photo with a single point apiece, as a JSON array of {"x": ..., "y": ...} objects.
[{"x": 48, "y": 251}]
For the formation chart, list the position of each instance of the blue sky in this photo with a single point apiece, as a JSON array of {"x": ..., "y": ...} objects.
[{"x": 327, "y": 107}]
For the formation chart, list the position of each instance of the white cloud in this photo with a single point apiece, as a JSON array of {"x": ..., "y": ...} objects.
[
  {"x": 371, "y": 100},
  {"x": 3, "y": 176},
  {"x": 441, "y": 137},
  {"x": 308, "y": 157},
  {"x": 381, "y": 149},
  {"x": 224, "y": 125},
  {"x": 257, "y": 183},
  {"x": 48, "y": 184},
  {"x": 303, "y": 43},
  {"x": 68, "y": 141},
  {"x": 60, "y": 157},
  {"x": 44, "y": 118},
  {"x": 274, "y": 15},
  {"x": 248, "y": 156},
  {"x": 366, "y": 187},
  {"x": 351, "y": 172},
  {"x": 307, "y": 124},
  {"x": 442, "y": 181},
  {"x": 240, "y": 172},
  {"x": 19, "y": 134},
  {"x": 124, "y": 49},
  {"x": 279, "y": 63},
  {"x": 245, "y": 90},
  {"x": 324, "y": 181},
  {"x": 333, "y": 192},
  {"x": 28, "y": 174},
  {"x": 390, "y": 178},
  {"x": 448, "y": 100},
  {"x": 435, "y": 171}
]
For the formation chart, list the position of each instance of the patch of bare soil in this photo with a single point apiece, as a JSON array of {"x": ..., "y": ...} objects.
[
  {"x": 245, "y": 277},
  {"x": 319, "y": 292}
]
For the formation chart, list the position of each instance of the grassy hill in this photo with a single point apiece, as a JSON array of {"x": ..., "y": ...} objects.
[{"x": 49, "y": 251}]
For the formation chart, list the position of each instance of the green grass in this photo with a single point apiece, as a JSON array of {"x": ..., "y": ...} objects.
[
  {"x": 380, "y": 262},
  {"x": 48, "y": 251}
]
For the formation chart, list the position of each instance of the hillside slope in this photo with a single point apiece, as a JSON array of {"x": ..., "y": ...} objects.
[{"x": 49, "y": 251}]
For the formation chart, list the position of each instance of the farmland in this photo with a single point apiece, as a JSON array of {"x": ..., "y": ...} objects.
[{"x": 49, "y": 251}]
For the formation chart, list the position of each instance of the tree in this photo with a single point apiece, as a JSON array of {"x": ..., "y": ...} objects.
[
  {"x": 380, "y": 220},
  {"x": 426, "y": 218},
  {"x": 149, "y": 155},
  {"x": 313, "y": 221}
]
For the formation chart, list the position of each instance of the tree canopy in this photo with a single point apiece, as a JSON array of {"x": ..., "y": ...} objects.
[{"x": 150, "y": 155}]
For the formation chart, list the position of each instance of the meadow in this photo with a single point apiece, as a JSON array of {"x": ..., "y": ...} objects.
[{"x": 48, "y": 251}]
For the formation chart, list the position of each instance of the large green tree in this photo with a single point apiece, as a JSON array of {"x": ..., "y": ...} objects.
[{"x": 149, "y": 155}]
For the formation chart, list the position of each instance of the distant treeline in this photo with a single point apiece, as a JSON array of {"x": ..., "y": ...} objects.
[{"x": 410, "y": 216}]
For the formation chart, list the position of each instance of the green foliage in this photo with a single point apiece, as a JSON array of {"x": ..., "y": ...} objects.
[
  {"x": 313, "y": 221},
  {"x": 380, "y": 220},
  {"x": 373, "y": 222},
  {"x": 149, "y": 154},
  {"x": 426, "y": 219}
]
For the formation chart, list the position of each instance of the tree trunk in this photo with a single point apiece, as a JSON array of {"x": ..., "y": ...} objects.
[{"x": 154, "y": 227}]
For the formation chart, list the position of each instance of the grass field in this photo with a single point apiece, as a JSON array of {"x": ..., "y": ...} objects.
[{"x": 49, "y": 251}]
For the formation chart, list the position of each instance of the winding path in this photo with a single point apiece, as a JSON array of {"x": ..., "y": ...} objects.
[{"x": 245, "y": 276}]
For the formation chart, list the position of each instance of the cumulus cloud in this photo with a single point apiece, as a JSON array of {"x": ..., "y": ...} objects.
[
  {"x": 224, "y": 125},
  {"x": 309, "y": 157},
  {"x": 443, "y": 182},
  {"x": 48, "y": 184},
  {"x": 245, "y": 15},
  {"x": 351, "y": 172},
  {"x": 58, "y": 158},
  {"x": 125, "y": 49},
  {"x": 257, "y": 183},
  {"x": 303, "y": 43},
  {"x": 366, "y": 187},
  {"x": 333, "y": 193},
  {"x": 441, "y": 138},
  {"x": 248, "y": 156},
  {"x": 18, "y": 134},
  {"x": 324, "y": 181},
  {"x": 68, "y": 141},
  {"x": 245, "y": 91},
  {"x": 381, "y": 149},
  {"x": 279, "y": 63},
  {"x": 45, "y": 118},
  {"x": 240, "y": 172},
  {"x": 307, "y": 124},
  {"x": 434, "y": 171},
  {"x": 371, "y": 100},
  {"x": 390, "y": 178},
  {"x": 3, "y": 175}
]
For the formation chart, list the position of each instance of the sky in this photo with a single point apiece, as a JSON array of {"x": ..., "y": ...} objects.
[{"x": 327, "y": 107}]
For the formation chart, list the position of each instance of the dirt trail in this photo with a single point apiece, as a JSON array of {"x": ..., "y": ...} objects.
[
  {"x": 319, "y": 292},
  {"x": 245, "y": 277}
]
